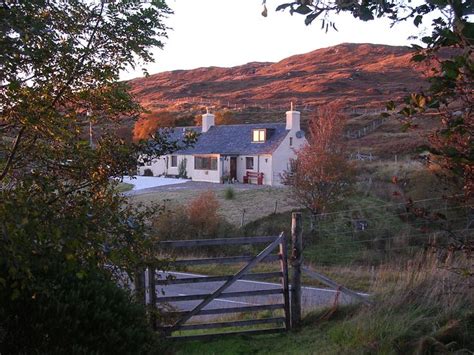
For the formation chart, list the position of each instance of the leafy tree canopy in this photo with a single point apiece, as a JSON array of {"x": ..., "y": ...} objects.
[{"x": 59, "y": 210}]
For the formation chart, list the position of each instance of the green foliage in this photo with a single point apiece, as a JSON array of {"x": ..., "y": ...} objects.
[
  {"x": 73, "y": 315},
  {"x": 229, "y": 193},
  {"x": 123, "y": 187},
  {"x": 171, "y": 223},
  {"x": 60, "y": 216},
  {"x": 147, "y": 172},
  {"x": 81, "y": 230},
  {"x": 182, "y": 173},
  {"x": 426, "y": 310},
  {"x": 224, "y": 118}
]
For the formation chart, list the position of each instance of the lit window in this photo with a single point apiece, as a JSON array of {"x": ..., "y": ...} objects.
[
  {"x": 205, "y": 163},
  {"x": 249, "y": 163},
  {"x": 174, "y": 161},
  {"x": 258, "y": 135}
]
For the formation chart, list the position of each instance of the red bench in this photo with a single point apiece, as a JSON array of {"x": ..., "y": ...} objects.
[{"x": 253, "y": 175}]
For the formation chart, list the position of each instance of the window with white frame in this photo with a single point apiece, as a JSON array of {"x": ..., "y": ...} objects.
[
  {"x": 174, "y": 161},
  {"x": 259, "y": 135},
  {"x": 249, "y": 163}
]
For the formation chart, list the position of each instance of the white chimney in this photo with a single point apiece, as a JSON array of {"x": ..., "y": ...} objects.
[
  {"x": 208, "y": 120},
  {"x": 293, "y": 119}
]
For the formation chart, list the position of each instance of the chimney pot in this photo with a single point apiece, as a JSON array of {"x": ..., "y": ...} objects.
[
  {"x": 208, "y": 120},
  {"x": 293, "y": 120}
]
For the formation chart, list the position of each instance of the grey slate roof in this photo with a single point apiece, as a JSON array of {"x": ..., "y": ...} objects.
[{"x": 233, "y": 139}]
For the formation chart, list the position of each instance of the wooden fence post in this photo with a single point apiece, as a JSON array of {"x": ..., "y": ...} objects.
[
  {"x": 152, "y": 296},
  {"x": 296, "y": 261},
  {"x": 140, "y": 286},
  {"x": 284, "y": 281}
]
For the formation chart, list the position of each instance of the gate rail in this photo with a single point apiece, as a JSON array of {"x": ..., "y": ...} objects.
[
  {"x": 292, "y": 311},
  {"x": 275, "y": 242}
]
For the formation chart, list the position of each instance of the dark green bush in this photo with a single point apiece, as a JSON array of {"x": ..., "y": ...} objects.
[
  {"x": 182, "y": 173},
  {"x": 177, "y": 222},
  {"x": 147, "y": 172},
  {"x": 229, "y": 193},
  {"x": 79, "y": 314}
]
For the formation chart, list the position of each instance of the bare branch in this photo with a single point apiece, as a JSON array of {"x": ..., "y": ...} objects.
[
  {"x": 83, "y": 57},
  {"x": 16, "y": 143}
]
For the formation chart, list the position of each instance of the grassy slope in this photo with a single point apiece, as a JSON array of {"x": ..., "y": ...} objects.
[
  {"x": 354, "y": 331},
  {"x": 257, "y": 203},
  {"x": 427, "y": 310},
  {"x": 348, "y": 256},
  {"x": 308, "y": 341},
  {"x": 123, "y": 187}
]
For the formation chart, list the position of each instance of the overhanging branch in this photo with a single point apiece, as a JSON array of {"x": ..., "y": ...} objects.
[{"x": 16, "y": 143}]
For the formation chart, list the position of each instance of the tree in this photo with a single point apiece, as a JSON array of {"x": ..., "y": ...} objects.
[
  {"x": 148, "y": 124},
  {"x": 60, "y": 213},
  {"x": 224, "y": 118},
  {"x": 321, "y": 175},
  {"x": 449, "y": 50}
]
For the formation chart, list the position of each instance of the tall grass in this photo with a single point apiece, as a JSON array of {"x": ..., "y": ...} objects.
[
  {"x": 423, "y": 306},
  {"x": 427, "y": 306}
]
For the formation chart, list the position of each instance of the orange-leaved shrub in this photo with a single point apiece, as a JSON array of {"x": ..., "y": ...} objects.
[
  {"x": 149, "y": 123},
  {"x": 203, "y": 214},
  {"x": 321, "y": 174}
]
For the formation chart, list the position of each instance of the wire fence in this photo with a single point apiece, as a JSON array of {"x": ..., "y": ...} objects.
[
  {"x": 369, "y": 128},
  {"x": 262, "y": 107},
  {"x": 389, "y": 232}
]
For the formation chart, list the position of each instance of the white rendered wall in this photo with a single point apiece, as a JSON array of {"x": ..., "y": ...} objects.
[
  {"x": 283, "y": 154},
  {"x": 261, "y": 163},
  {"x": 158, "y": 167},
  {"x": 174, "y": 170}
]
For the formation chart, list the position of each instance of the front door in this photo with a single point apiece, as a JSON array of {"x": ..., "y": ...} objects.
[{"x": 233, "y": 168}]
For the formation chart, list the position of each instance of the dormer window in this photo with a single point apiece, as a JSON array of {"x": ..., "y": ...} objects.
[{"x": 259, "y": 135}]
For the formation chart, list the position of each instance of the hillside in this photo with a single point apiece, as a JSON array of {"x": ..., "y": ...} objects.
[
  {"x": 363, "y": 77},
  {"x": 359, "y": 75}
]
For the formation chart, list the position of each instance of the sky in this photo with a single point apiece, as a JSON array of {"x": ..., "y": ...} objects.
[{"x": 226, "y": 33}]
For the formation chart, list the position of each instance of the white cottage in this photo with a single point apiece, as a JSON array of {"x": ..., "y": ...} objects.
[{"x": 254, "y": 153}]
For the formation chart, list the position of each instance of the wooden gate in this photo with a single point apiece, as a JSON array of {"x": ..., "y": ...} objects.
[{"x": 182, "y": 324}]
